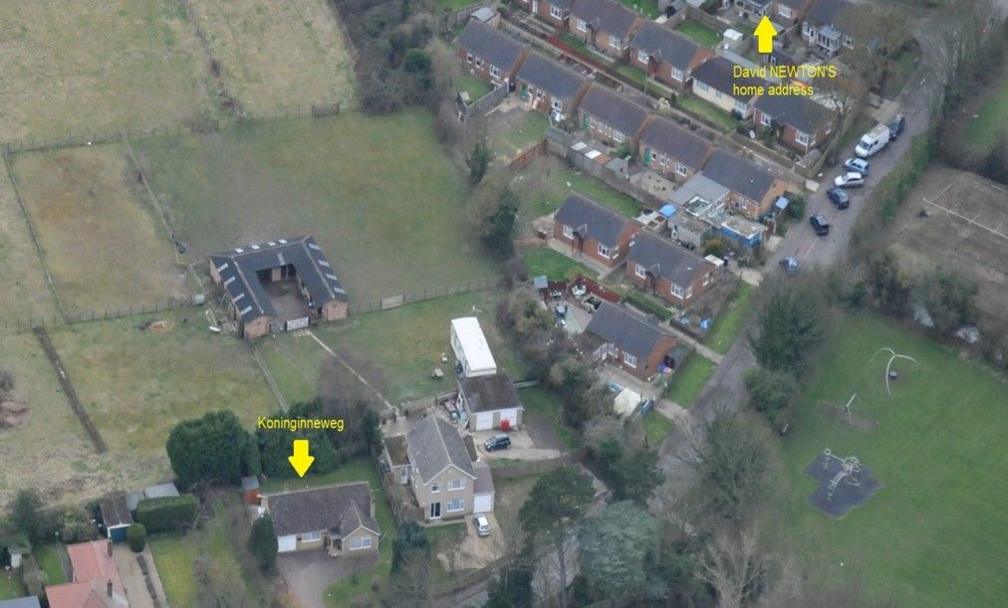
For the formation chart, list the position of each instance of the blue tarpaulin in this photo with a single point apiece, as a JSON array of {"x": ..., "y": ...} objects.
[
  {"x": 668, "y": 210},
  {"x": 782, "y": 203}
]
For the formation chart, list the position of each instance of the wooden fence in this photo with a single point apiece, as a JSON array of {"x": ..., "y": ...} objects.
[
  {"x": 488, "y": 101},
  {"x": 429, "y": 293}
]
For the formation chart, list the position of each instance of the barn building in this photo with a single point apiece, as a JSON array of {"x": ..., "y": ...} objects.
[{"x": 279, "y": 285}]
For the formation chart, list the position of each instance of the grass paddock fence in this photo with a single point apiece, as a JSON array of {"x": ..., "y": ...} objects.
[
  {"x": 71, "y": 317},
  {"x": 427, "y": 293}
]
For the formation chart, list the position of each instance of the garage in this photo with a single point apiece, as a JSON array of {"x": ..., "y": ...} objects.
[
  {"x": 490, "y": 402},
  {"x": 483, "y": 489},
  {"x": 286, "y": 544}
]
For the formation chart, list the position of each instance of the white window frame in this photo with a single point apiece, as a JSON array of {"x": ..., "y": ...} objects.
[
  {"x": 640, "y": 271},
  {"x": 568, "y": 232},
  {"x": 801, "y": 138},
  {"x": 456, "y": 484},
  {"x": 765, "y": 120},
  {"x": 616, "y": 42},
  {"x": 308, "y": 537},
  {"x": 700, "y": 85},
  {"x": 629, "y": 360},
  {"x": 676, "y": 291},
  {"x": 582, "y": 25},
  {"x": 556, "y": 12},
  {"x": 459, "y": 501},
  {"x": 808, "y": 30},
  {"x": 495, "y": 71},
  {"x": 643, "y": 57},
  {"x": 556, "y": 105},
  {"x": 784, "y": 11},
  {"x": 361, "y": 542},
  {"x": 604, "y": 251},
  {"x": 618, "y": 136},
  {"x": 706, "y": 279},
  {"x": 681, "y": 169},
  {"x": 435, "y": 488},
  {"x": 676, "y": 74}
]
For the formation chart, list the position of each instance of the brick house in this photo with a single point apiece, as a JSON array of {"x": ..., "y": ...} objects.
[
  {"x": 752, "y": 189},
  {"x": 605, "y": 25},
  {"x": 593, "y": 230},
  {"x": 671, "y": 272},
  {"x": 490, "y": 53},
  {"x": 612, "y": 118},
  {"x": 789, "y": 12},
  {"x": 630, "y": 341},
  {"x": 672, "y": 150},
  {"x": 820, "y": 29},
  {"x": 549, "y": 87},
  {"x": 666, "y": 55},
  {"x": 553, "y": 12},
  {"x": 714, "y": 82},
  {"x": 803, "y": 124}
]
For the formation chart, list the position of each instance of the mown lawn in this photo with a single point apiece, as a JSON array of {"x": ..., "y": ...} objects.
[
  {"x": 10, "y": 586},
  {"x": 48, "y": 559},
  {"x": 729, "y": 322},
  {"x": 656, "y": 427},
  {"x": 715, "y": 115},
  {"x": 699, "y": 33},
  {"x": 543, "y": 261},
  {"x": 564, "y": 181},
  {"x": 515, "y": 132},
  {"x": 474, "y": 86},
  {"x": 937, "y": 528},
  {"x": 689, "y": 380}
]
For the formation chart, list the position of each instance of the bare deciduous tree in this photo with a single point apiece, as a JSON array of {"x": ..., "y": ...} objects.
[{"x": 733, "y": 566}]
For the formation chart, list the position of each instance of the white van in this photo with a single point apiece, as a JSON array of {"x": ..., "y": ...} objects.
[{"x": 873, "y": 141}]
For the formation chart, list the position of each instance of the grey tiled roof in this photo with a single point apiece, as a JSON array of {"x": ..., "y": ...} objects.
[
  {"x": 591, "y": 220},
  {"x": 484, "y": 480},
  {"x": 796, "y": 110},
  {"x": 490, "y": 44},
  {"x": 606, "y": 15},
  {"x": 739, "y": 175},
  {"x": 433, "y": 444},
  {"x": 665, "y": 259},
  {"x": 717, "y": 72},
  {"x": 488, "y": 393},
  {"x": 343, "y": 508},
  {"x": 550, "y": 76},
  {"x": 614, "y": 109},
  {"x": 630, "y": 332},
  {"x": 665, "y": 44},
  {"x": 826, "y": 12},
  {"x": 666, "y": 136}
]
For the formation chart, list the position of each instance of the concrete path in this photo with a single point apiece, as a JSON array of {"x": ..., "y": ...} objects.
[{"x": 133, "y": 577}]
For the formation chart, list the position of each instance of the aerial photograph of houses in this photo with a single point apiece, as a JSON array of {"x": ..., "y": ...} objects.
[{"x": 504, "y": 304}]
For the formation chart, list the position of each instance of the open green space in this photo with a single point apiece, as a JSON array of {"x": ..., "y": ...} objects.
[
  {"x": 656, "y": 427},
  {"x": 934, "y": 534},
  {"x": 543, "y": 261},
  {"x": 26, "y": 293},
  {"x": 49, "y": 561},
  {"x": 542, "y": 402},
  {"x": 713, "y": 114},
  {"x": 690, "y": 379},
  {"x": 558, "y": 180},
  {"x": 515, "y": 132},
  {"x": 10, "y": 585},
  {"x": 729, "y": 322},
  {"x": 699, "y": 33},
  {"x": 370, "y": 189}
]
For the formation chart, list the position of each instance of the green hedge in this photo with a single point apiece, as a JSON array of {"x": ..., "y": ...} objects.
[
  {"x": 136, "y": 537},
  {"x": 168, "y": 513},
  {"x": 646, "y": 304}
]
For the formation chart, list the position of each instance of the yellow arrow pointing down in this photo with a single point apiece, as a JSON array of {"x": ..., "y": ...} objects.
[
  {"x": 765, "y": 33},
  {"x": 299, "y": 458}
]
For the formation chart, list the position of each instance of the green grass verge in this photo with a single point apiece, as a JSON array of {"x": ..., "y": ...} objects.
[
  {"x": 729, "y": 322},
  {"x": 543, "y": 261},
  {"x": 715, "y": 115},
  {"x": 689, "y": 380},
  {"x": 542, "y": 402},
  {"x": 11, "y": 586},
  {"x": 632, "y": 73},
  {"x": 48, "y": 559},
  {"x": 938, "y": 525},
  {"x": 656, "y": 427},
  {"x": 699, "y": 33},
  {"x": 578, "y": 45}
]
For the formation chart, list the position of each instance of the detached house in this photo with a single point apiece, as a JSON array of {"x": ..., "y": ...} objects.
[
  {"x": 635, "y": 344},
  {"x": 611, "y": 117},
  {"x": 490, "y": 53},
  {"x": 789, "y": 12},
  {"x": 752, "y": 189},
  {"x": 672, "y": 150},
  {"x": 605, "y": 25},
  {"x": 820, "y": 29},
  {"x": 666, "y": 55},
  {"x": 338, "y": 519},
  {"x": 803, "y": 123},
  {"x": 441, "y": 474},
  {"x": 593, "y": 230},
  {"x": 549, "y": 87},
  {"x": 669, "y": 271},
  {"x": 554, "y": 12},
  {"x": 715, "y": 82}
]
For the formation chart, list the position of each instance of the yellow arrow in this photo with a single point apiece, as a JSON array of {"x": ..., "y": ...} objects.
[
  {"x": 300, "y": 459},
  {"x": 765, "y": 33}
]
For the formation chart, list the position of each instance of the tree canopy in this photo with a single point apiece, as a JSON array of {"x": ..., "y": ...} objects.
[
  {"x": 262, "y": 543},
  {"x": 789, "y": 326},
  {"x": 212, "y": 449},
  {"x": 275, "y": 445},
  {"x": 734, "y": 465},
  {"x": 614, "y": 547}
]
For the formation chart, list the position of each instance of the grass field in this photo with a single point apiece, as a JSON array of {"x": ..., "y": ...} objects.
[
  {"x": 103, "y": 245},
  {"x": 96, "y": 65},
  {"x": 48, "y": 558},
  {"x": 543, "y": 261},
  {"x": 26, "y": 293},
  {"x": 690, "y": 379},
  {"x": 937, "y": 528},
  {"x": 729, "y": 322},
  {"x": 10, "y": 586},
  {"x": 378, "y": 194},
  {"x": 699, "y": 33},
  {"x": 713, "y": 114},
  {"x": 275, "y": 54}
]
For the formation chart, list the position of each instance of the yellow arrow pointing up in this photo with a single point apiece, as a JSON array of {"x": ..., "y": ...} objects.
[
  {"x": 300, "y": 459},
  {"x": 765, "y": 32}
]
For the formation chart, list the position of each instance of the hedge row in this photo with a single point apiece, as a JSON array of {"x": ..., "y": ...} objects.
[
  {"x": 168, "y": 513},
  {"x": 646, "y": 304}
]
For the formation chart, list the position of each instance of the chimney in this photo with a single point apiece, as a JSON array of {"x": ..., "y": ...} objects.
[
  {"x": 108, "y": 587},
  {"x": 108, "y": 543}
]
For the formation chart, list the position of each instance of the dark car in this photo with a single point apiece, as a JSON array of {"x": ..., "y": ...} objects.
[
  {"x": 820, "y": 224},
  {"x": 497, "y": 442},
  {"x": 839, "y": 198},
  {"x": 896, "y": 127}
]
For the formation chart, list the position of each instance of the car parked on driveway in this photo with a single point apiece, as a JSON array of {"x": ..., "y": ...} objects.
[
  {"x": 850, "y": 179},
  {"x": 482, "y": 526},
  {"x": 839, "y": 198},
  {"x": 819, "y": 224},
  {"x": 896, "y": 127},
  {"x": 497, "y": 442},
  {"x": 857, "y": 165}
]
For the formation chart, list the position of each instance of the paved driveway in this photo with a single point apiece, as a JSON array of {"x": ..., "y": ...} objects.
[{"x": 309, "y": 573}]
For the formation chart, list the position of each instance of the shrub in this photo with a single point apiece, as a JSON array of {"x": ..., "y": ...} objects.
[
  {"x": 262, "y": 543},
  {"x": 25, "y": 513},
  {"x": 136, "y": 537},
  {"x": 796, "y": 206},
  {"x": 168, "y": 513},
  {"x": 646, "y": 304},
  {"x": 75, "y": 526}
]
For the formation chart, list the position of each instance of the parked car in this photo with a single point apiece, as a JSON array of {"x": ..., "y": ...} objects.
[
  {"x": 789, "y": 265},
  {"x": 857, "y": 165},
  {"x": 850, "y": 179},
  {"x": 497, "y": 442},
  {"x": 482, "y": 526},
  {"x": 839, "y": 198},
  {"x": 820, "y": 224},
  {"x": 896, "y": 127}
]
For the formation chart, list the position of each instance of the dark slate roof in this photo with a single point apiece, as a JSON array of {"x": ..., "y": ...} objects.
[
  {"x": 22, "y": 602},
  {"x": 238, "y": 268},
  {"x": 666, "y": 136},
  {"x": 606, "y": 15},
  {"x": 825, "y": 12},
  {"x": 343, "y": 508},
  {"x": 489, "y": 393},
  {"x": 433, "y": 444},
  {"x": 114, "y": 511},
  {"x": 665, "y": 259},
  {"x": 550, "y": 76},
  {"x": 663, "y": 43},
  {"x": 739, "y": 175},
  {"x": 796, "y": 5},
  {"x": 796, "y": 110},
  {"x": 484, "y": 480},
  {"x": 490, "y": 44},
  {"x": 396, "y": 447},
  {"x": 716, "y": 72},
  {"x": 632, "y": 333},
  {"x": 591, "y": 220},
  {"x": 614, "y": 109}
]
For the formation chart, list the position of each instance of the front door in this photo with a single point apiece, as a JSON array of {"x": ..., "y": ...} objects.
[{"x": 435, "y": 510}]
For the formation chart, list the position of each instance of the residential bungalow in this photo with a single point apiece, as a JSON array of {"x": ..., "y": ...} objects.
[
  {"x": 338, "y": 519},
  {"x": 635, "y": 344},
  {"x": 666, "y": 55},
  {"x": 549, "y": 87},
  {"x": 752, "y": 189},
  {"x": 820, "y": 29},
  {"x": 490, "y": 402},
  {"x": 612, "y": 118},
  {"x": 789, "y": 12},
  {"x": 553, "y": 12},
  {"x": 803, "y": 124},
  {"x": 672, "y": 150},
  {"x": 94, "y": 579},
  {"x": 669, "y": 271},
  {"x": 715, "y": 82},
  {"x": 593, "y": 230},
  {"x": 441, "y": 472},
  {"x": 490, "y": 53},
  {"x": 605, "y": 25}
]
